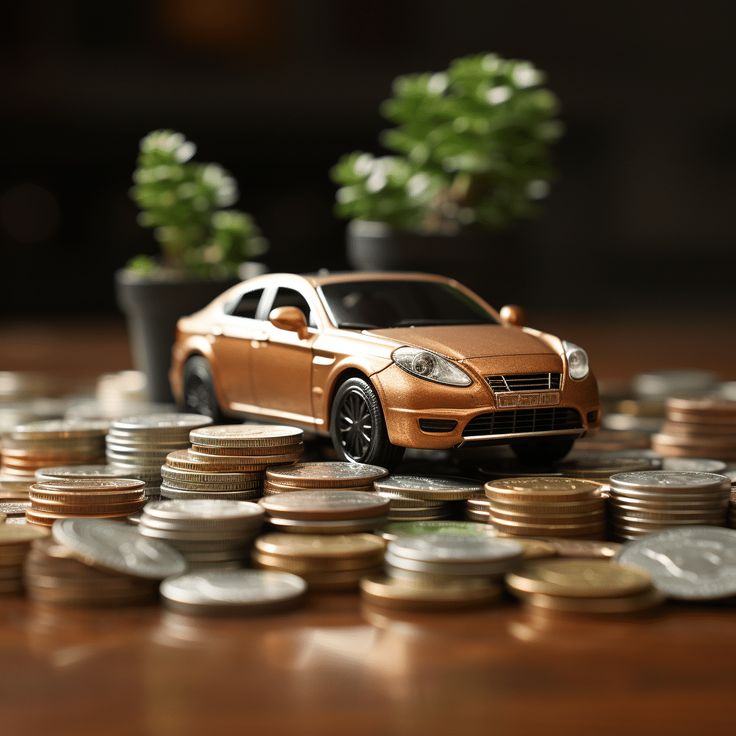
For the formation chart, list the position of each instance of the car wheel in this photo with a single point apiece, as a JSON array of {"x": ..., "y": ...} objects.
[
  {"x": 198, "y": 394},
  {"x": 358, "y": 428},
  {"x": 539, "y": 452}
]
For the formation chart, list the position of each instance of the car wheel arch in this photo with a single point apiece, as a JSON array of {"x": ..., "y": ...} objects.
[{"x": 343, "y": 376}]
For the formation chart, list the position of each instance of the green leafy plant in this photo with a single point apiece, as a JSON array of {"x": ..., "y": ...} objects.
[
  {"x": 471, "y": 147},
  {"x": 186, "y": 203}
]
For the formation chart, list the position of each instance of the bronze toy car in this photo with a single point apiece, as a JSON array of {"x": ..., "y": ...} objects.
[{"x": 384, "y": 361}]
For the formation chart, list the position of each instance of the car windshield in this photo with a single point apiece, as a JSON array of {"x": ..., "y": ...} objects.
[{"x": 380, "y": 304}]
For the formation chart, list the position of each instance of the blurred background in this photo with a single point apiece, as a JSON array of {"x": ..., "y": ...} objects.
[{"x": 639, "y": 220}]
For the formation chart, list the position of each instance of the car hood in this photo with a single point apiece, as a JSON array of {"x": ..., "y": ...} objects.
[{"x": 468, "y": 341}]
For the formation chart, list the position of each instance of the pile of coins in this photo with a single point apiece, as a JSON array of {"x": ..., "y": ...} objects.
[
  {"x": 547, "y": 507},
  {"x": 478, "y": 508},
  {"x": 102, "y": 498},
  {"x": 29, "y": 447},
  {"x": 232, "y": 592},
  {"x": 326, "y": 511},
  {"x": 698, "y": 428},
  {"x": 229, "y": 461},
  {"x": 335, "y": 562},
  {"x": 15, "y": 544},
  {"x": 646, "y": 502},
  {"x": 93, "y": 562},
  {"x": 66, "y": 472},
  {"x": 208, "y": 533},
  {"x": 583, "y": 586},
  {"x": 418, "y": 497},
  {"x": 396, "y": 529},
  {"x": 138, "y": 445},
  {"x": 337, "y": 476},
  {"x": 601, "y": 466},
  {"x": 442, "y": 571}
]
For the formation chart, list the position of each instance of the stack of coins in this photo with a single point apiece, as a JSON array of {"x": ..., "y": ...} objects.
[
  {"x": 208, "y": 533},
  {"x": 232, "y": 592},
  {"x": 64, "y": 472},
  {"x": 396, "y": 529},
  {"x": 31, "y": 446},
  {"x": 583, "y": 586},
  {"x": 15, "y": 544},
  {"x": 601, "y": 466},
  {"x": 95, "y": 562},
  {"x": 419, "y": 497},
  {"x": 445, "y": 558},
  {"x": 229, "y": 461},
  {"x": 326, "y": 511},
  {"x": 695, "y": 464},
  {"x": 478, "y": 508},
  {"x": 547, "y": 507},
  {"x": 14, "y": 511},
  {"x": 138, "y": 445},
  {"x": 647, "y": 502},
  {"x": 335, "y": 562},
  {"x": 698, "y": 428},
  {"x": 102, "y": 498},
  {"x": 336, "y": 476}
]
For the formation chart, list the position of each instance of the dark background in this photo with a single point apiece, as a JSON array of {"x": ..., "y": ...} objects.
[{"x": 641, "y": 217}]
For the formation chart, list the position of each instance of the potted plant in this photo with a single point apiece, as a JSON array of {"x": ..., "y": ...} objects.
[
  {"x": 470, "y": 156},
  {"x": 203, "y": 246}
]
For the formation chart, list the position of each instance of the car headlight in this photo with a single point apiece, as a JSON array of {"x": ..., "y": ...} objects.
[
  {"x": 577, "y": 361},
  {"x": 431, "y": 366}
]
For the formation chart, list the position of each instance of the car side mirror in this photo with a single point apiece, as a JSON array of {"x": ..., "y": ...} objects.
[
  {"x": 290, "y": 318},
  {"x": 513, "y": 314}
]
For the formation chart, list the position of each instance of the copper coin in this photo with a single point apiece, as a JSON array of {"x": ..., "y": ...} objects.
[
  {"x": 542, "y": 489},
  {"x": 326, "y": 474},
  {"x": 246, "y": 435}
]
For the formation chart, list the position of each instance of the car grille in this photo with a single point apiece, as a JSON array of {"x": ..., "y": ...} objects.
[
  {"x": 517, "y": 421},
  {"x": 524, "y": 382}
]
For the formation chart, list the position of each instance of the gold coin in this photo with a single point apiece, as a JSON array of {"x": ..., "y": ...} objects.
[
  {"x": 393, "y": 593},
  {"x": 313, "y": 546},
  {"x": 298, "y": 565},
  {"x": 586, "y": 578},
  {"x": 626, "y": 604},
  {"x": 246, "y": 435},
  {"x": 260, "y": 450},
  {"x": 254, "y": 460},
  {"x": 542, "y": 489},
  {"x": 584, "y": 548},
  {"x": 536, "y": 549}
]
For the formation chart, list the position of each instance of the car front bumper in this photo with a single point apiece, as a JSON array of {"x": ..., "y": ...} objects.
[{"x": 466, "y": 415}]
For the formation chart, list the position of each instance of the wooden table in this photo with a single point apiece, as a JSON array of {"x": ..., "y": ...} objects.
[{"x": 334, "y": 667}]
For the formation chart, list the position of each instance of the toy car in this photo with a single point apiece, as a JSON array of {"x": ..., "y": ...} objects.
[{"x": 384, "y": 361}]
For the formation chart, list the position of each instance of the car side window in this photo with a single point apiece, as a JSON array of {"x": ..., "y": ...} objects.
[
  {"x": 292, "y": 298},
  {"x": 247, "y": 305}
]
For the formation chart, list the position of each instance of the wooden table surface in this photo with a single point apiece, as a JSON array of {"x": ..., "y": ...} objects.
[{"x": 335, "y": 667}]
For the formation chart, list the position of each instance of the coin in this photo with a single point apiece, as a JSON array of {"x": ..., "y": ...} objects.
[
  {"x": 59, "y": 429},
  {"x": 179, "y": 493},
  {"x": 392, "y": 593},
  {"x": 187, "y": 460},
  {"x": 78, "y": 471},
  {"x": 206, "y": 510},
  {"x": 242, "y": 591},
  {"x": 542, "y": 489},
  {"x": 626, "y": 604},
  {"x": 325, "y": 505},
  {"x": 600, "y": 466},
  {"x": 696, "y": 464},
  {"x": 161, "y": 422},
  {"x": 326, "y": 474},
  {"x": 273, "y": 487},
  {"x": 13, "y": 508},
  {"x": 671, "y": 481},
  {"x": 246, "y": 435},
  {"x": 341, "y": 526},
  {"x": 318, "y": 547},
  {"x": 437, "y": 488},
  {"x": 692, "y": 563},
  {"x": 455, "y": 548},
  {"x": 263, "y": 461},
  {"x": 117, "y": 547},
  {"x": 397, "y": 529},
  {"x": 588, "y": 578}
]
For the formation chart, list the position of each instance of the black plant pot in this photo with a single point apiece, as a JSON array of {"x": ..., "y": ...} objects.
[
  {"x": 152, "y": 307},
  {"x": 490, "y": 264}
]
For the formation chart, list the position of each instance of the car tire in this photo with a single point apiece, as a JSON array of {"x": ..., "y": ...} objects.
[
  {"x": 198, "y": 390},
  {"x": 541, "y": 452},
  {"x": 357, "y": 405}
]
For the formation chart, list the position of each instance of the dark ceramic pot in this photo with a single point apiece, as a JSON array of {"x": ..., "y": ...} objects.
[
  {"x": 152, "y": 307},
  {"x": 490, "y": 264}
]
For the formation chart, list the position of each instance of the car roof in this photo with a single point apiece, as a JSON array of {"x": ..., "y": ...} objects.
[{"x": 319, "y": 279}]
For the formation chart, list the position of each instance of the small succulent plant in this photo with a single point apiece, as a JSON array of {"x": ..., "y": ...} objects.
[
  {"x": 471, "y": 147},
  {"x": 186, "y": 203}
]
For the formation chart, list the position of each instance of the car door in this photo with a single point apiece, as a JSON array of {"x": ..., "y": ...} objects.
[
  {"x": 282, "y": 363},
  {"x": 239, "y": 327}
]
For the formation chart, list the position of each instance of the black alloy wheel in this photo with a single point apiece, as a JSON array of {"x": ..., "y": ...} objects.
[{"x": 358, "y": 428}]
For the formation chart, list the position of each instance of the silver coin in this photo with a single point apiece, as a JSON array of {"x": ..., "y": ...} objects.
[
  {"x": 668, "y": 480},
  {"x": 499, "y": 567},
  {"x": 79, "y": 471},
  {"x": 162, "y": 421},
  {"x": 692, "y": 563},
  {"x": 340, "y": 526},
  {"x": 694, "y": 464},
  {"x": 324, "y": 501},
  {"x": 62, "y": 428},
  {"x": 206, "y": 509},
  {"x": 246, "y": 435},
  {"x": 326, "y": 471},
  {"x": 14, "y": 508},
  {"x": 455, "y": 548},
  {"x": 420, "y": 528},
  {"x": 178, "y": 493},
  {"x": 241, "y": 589},
  {"x": 117, "y": 547},
  {"x": 460, "y": 488}
]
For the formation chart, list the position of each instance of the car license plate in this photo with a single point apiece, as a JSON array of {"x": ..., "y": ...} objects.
[{"x": 527, "y": 398}]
